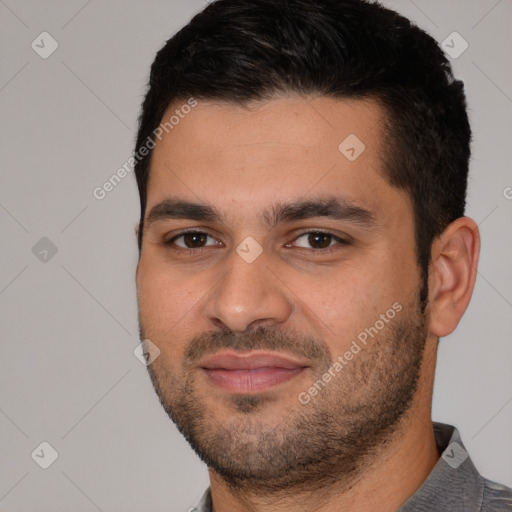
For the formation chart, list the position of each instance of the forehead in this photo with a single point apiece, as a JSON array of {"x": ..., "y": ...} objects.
[{"x": 275, "y": 150}]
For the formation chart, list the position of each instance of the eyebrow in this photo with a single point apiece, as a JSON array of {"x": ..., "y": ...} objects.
[{"x": 337, "y": 208}]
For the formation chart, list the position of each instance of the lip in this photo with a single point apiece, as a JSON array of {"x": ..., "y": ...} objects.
[
  {"x": 250, "y": 373},
  {"x": 249, "y": 361}
]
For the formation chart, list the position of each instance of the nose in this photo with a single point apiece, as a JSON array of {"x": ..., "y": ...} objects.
[{"x": 248, "y": 296}]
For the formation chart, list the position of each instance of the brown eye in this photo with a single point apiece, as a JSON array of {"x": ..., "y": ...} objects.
[
  {"x": 193, "y": 240},
  {"x": 319, "y": 240},
  {"x": 315, "y": 240}
]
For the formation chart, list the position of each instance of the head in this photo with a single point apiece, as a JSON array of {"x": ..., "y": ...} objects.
[{"x": 307, "y": 199}]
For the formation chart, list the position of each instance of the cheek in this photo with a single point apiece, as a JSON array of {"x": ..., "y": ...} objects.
[
  {"x": 166, "y": 311},
  {"x": 353, "y": 297},
  {"x": 164, "y": 296},
  {"x": 339, "y": 304}
]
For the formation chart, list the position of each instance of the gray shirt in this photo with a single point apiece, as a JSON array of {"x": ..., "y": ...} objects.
[{"x": 453, "y": 485}]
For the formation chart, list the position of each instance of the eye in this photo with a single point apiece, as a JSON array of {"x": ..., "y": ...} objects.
[
  {"x": 193, "y": 240},
  {"x": 317, "y": 240}
]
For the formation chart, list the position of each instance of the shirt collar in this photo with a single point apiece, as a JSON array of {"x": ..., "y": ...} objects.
[{"x": 454, "y": 479}]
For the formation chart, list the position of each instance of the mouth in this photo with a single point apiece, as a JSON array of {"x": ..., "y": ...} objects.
[{"x": 250, "y": 373}]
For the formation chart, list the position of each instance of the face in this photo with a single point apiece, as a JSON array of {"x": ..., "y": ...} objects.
[{"x": 279, "y": 280}]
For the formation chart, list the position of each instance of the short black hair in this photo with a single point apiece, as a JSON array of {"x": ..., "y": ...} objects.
[{"x": 243, "y": 50}]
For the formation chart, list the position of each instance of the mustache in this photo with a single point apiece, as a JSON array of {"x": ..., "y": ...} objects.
[{"x": 293, "y": 343}]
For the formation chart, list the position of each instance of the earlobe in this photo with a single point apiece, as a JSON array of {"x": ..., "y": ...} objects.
[{"x": 453, "y": 273}]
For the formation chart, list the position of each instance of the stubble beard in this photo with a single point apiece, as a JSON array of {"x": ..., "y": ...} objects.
[{"x": 330, "y": 439}]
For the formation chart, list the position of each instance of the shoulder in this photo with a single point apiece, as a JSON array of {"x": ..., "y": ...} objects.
[{"x": 496, "y": 497}]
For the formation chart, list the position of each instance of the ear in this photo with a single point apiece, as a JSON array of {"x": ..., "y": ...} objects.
[
  {"x": 137, "y": 228},
  {"x": 453, "y": 273}
]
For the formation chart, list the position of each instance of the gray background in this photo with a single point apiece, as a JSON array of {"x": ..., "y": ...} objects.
[{"x": 68, "y": 375}]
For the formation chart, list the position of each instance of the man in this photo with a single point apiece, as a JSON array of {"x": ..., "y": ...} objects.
[{"x": 302, "y": 170}]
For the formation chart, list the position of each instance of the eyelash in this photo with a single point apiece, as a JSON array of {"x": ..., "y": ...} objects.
[{"x": 339, "y": 242}]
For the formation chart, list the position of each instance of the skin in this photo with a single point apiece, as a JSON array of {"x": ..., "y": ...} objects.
[{"x": 245, "y": 160}]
